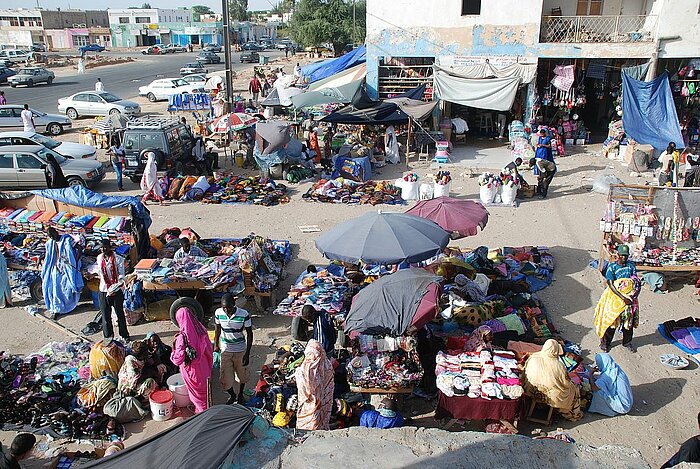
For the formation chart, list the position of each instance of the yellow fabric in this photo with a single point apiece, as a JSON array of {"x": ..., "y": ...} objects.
[
  {"x": 545, "y": 373},
  {"x": 106, "y": 361},
  {"x": 610, "y": 306}
]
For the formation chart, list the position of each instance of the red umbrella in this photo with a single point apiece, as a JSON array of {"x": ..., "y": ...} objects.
[
  {"x": 459, "y": 217},
  {"x": 234, "y": 120}
]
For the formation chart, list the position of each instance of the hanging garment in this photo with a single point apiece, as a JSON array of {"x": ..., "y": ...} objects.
[
  {"x": 62, "y": 281},
  {"x": 391, "y": 146}
]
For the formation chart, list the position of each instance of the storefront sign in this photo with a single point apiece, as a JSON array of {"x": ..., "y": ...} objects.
[{"x": 496, "y": 61}]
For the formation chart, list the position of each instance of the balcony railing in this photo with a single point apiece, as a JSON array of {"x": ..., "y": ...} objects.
[{"x": 598, "y": 29}]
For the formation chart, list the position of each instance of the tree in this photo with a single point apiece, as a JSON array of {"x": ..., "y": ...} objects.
[
  {"x": 318, "y": 22},
  {"x": 199, "y": 10},
  {"x": 238, "y": 9},
  {"x": 146, "y": 6}
]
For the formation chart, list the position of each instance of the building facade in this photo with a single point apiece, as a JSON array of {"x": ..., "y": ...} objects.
[
  {"x": 20, "y": 28},
  {"x": 68, "y": 29}
]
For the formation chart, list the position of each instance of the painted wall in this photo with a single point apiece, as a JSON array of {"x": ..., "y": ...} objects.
[{"x": 679, "y": 18}]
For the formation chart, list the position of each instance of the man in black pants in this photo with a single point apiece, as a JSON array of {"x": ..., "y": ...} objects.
[
  {"x": 547, "y": 170},
  {"x": 111, "y": 271}
]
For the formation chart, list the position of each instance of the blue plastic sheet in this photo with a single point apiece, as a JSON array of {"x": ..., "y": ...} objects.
[
  {"x": 62, "y": 281},
  {"x": 320, "y": 70},
  {"x": 648, "y": 112}
]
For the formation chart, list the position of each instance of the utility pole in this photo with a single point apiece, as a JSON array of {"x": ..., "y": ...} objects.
[
  {"x": 227, "y": 56},
  {"x": 353, "y": 24}
]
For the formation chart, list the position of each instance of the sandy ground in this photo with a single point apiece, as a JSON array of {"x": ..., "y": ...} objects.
[{"x": 666, "y": 401}]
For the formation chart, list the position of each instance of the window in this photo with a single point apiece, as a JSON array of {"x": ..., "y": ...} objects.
[
  {"x": 123, "y": 20},
  {"x": 471, "y": 7},
  {"x": 81, "y": 98},
  {"x": 80, "y": 41},
  {"x": 143, "y": 19},
  {"x": 7, "y": 160},
  {"x": 152, "y": 141},
  {"x": 589, "y": 7},
  {"x": 131, "y": 142},
  {"x": 93, "y": 98},
  {"x": 28, "y": 162}
]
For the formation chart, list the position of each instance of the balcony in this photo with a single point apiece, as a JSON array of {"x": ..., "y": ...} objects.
[{"x": 602, "y": 29}]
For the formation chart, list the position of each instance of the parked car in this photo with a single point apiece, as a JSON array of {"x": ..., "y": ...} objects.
[
  {"x": 5, "y": 73},
  {"x": 212, "y": 48},
  {"x": 170, "y": 139},
  {"x": 92, "y": 48},
  {"x": 193, "y": 67},
  {"x": 153, "y": 50},
  {"x": 67, "y": 149},
  {"x": 38, "y": 47},
  {"x": 172, "y": 48},
  {"x": 96, "y": 103},
  {"x": 283, "y": 44},
  {"x": 208, "y": 58},
  {"x": 22, "y": 166},
  {"x": 11, "y": 118},
  {"x": 31, "y": 76},
  {"x": 250, "y": 46},
  {"x": 250, "y": 56},
  {"x": 166, "y": 87},
  {"x": 196, "y": 79},
  {"x": 15, "y": 55}
]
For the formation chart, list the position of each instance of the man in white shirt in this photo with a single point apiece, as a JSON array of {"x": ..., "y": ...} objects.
[
  {"x": 111, "y": 272},
  {"x": 27, "y": 119},
  {"x": 234, "y": 347},
  {"x": 99, "y": 86},
  {"x": 187, "y": 250},
  {"x": 297, "y": 70}
]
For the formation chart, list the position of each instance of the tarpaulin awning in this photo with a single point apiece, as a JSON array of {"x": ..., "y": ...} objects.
[
  {"x": 207, "y": 439},
  {"x": 497, "y": 94},
  {"x": 280, "y": 96},
  {"x": 418, "y": 110},
  {"x": 382, "y": 113},
  {"x": 358, "y": 72},
  {"x": 649, "y": 113},
  {"x": 320, "y": 70},
  {"x": 342, "y": 94},
  {"x": 526, "y": 72},
  {"x": 390, "y": 305}
]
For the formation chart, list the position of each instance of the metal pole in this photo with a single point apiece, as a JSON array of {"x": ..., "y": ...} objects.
[
  {"x": 353, "y": 24},
  {"x": 227, "y": 56}
]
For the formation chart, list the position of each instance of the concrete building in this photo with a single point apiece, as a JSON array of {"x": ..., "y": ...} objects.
[
  {"x": 68, "y": 29},
  {"x": 20, "y": 28},
  {"x": 406, "y": 37}
]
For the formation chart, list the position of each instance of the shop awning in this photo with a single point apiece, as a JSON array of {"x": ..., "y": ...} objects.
[
  {"x": 355, "y": 73},
  {"x": 342, "y": 94},
  {"x": 280, "y": 96},
  {"x": 320, "y": 70}
]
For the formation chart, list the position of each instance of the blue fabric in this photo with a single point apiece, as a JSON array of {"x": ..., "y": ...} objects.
[
  {"x": 616, "y": 271},
  {"x": 320, "y": 70},
  {"x": 373, "y": 419},
  {"x": 649, "y": 113},
  {"x": 62, "y": 281},
  {"x": 544, "y": 152},
  {"x": 615, "y": 394},
  {"x": 324, "y": 332},
  {"x": 5, "y": 289},
  {"x": 361, "y": 167},
  {"x": 673, "y": 341}
]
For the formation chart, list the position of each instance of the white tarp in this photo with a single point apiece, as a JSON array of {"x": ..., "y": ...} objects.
[
  {"x": 355, "y": 73},
  {"x": 526, "y": 72},
  {"x": 497, "y": 94}
]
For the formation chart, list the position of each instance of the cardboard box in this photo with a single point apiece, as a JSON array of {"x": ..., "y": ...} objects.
[
  {"x": 580, "y": 141},
  {"x": 569, "y": 141}
]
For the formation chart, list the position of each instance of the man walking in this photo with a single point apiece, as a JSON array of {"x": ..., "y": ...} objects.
[
  {"x": 99, "y": 86},
  {"x": 233, "y": 345},
  {"x": 254, "y": 87},
  {"x": 27, "y": 119},
  {"x": 111, "y": 273}
]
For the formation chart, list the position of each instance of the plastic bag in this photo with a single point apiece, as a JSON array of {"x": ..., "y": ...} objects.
[{"x": 602, "y": 183}]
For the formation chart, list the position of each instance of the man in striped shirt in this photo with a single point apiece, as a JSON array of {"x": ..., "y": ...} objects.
[{"x": 233, "y": 345}]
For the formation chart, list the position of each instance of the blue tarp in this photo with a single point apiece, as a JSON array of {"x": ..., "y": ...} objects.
[
  {"x": 320, "y": 70},
  {"x": 62, "y": 281},
  {"x": 648, "y": 112}
]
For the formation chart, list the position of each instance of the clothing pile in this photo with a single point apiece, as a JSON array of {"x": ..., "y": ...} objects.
[
  {"x": 185, "y": 188},
  {"x": 485, "y": 374},
  {"x": 683, "y": 333},
  {"x": 327, "y": 289},
  {"x": 344, "y": 191},
  {"x": 384, "y": 363},
  {"x": 229, "y": 189}
]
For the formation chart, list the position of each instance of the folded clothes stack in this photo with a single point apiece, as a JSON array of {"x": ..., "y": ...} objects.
[
  {"x": 485, "y": 374},
  {"x": 323, "y": 289}
]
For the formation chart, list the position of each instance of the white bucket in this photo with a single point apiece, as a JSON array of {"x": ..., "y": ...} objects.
[
  {"x": 177, "y": 385},
  {"x": 161, "y": 405},
  {"x": 442, "y": 190},
  {"x": 487, "y": 194},
  {"x": 410, "y": 190}
]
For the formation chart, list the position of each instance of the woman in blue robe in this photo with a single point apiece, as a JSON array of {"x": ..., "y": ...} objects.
[{"x": 612, "y": 393}]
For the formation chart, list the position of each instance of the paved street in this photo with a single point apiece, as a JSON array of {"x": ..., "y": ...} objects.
[{"x": 122, "y": 80}]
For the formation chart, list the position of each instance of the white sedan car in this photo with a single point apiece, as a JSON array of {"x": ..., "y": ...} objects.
[
  {"x": 165, "y": 87},
  {"x": 68, "y": 149},
  {"x": 196, "y": 79}
]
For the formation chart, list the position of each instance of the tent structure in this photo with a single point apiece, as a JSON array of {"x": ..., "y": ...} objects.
[
  {"x": 271, "y": 139},
  {"x": 320, "y": 70},
  {"x": 281, "y": 96},
  {"x": 205, "y": 440},
  {"x": 342, "y": 94},
  {"x": 358, "y": 72},
  {"x": 394, "y": 303}
]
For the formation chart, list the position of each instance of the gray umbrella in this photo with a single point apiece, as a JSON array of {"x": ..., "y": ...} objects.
[
  {"x": 383, "y": 238},
  {"x": 276, "y": 133}
]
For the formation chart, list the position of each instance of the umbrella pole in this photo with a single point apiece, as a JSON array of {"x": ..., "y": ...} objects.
[{"x": 408, "y": 142}]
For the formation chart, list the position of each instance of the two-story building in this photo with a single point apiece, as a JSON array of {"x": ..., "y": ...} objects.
[
  {"x": 406, "y": 38},
  {"x": 20, "y": 28},
  {"x": 68, "y": 29}
]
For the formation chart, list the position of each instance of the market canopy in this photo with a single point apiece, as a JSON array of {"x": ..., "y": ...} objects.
[
  {"x": 383, "y": 238},
  {"x": 394, "y": 303},
  {"x": 207, "y": 439},
  {"x": 281, "y": 96},
  {"x": 649, "y": 113},
  {"x": 463, "y": 217},
  {"x": 342, "y": 94},
  {"x": 320, "y": 70},
  {"x": 417, "y": 109},
  {"x": 358, "y": 72},
  {"x": 482, "y": 86}
]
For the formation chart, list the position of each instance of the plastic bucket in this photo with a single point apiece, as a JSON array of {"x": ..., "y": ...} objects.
[
  {"x": 426, "y": 191},
  {"x": 409, "y": 190},
  {"x": 161, "y": 405},
  {"x": 177, "y": 385},
  {"x": 441, "y": 190}
]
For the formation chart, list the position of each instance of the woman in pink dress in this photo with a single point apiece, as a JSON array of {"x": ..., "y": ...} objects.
[
  {"x": 195, "y": 370},
  {"x": 314, "y": 379}
]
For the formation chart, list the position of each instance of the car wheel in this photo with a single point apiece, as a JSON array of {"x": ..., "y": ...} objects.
[
  {"x": 75, "y": 181},
  {"x": 54, "y": 128},
  {"x": 30, "y": 83},
  {"x": 72, "y": 113},
  {"x": 36, "y": 290},
  {"x": 13, "y": 85},
  {"x": 114, "y": 112},
  {"x": 135, "y": 179},
  {"x": 49, "y": 80},
  {"x": 151, "y": 97}
]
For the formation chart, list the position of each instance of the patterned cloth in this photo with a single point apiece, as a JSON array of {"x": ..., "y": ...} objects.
[
  {"x": 611, "y": 309},
  {"x": 106, "y": 360},
  {"x": 314, "y": 388}
]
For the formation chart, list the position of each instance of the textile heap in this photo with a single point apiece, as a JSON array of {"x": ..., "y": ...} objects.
[
  {"x": 384, "y": 363},
  {"x": 327, "y": 289},
  {"x": 683, "y": 333},
  {"x": 485, "y": 374},
  {"x": 344, "y": 191},
  {"x": 228, "y": 189}
]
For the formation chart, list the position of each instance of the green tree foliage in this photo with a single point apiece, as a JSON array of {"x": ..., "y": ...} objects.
[
  {"x": 318, "y": 22},
  {"x": 238, "y": 9},
  {"x": 199, "y": 10},
  {"x": 146, "y": 6}
]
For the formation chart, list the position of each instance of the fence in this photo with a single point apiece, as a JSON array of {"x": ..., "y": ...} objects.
[{"x": 598, "y": 29}]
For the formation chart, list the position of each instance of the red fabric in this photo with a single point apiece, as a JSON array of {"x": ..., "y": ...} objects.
[
  {"x": 255, "y": 86},
  {"x": 112, "y": 276},
  {"x": 453, "y": 215},
  {"x": 466, "y": 408}
]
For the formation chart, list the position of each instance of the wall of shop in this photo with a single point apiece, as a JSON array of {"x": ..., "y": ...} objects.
[{"x": 679, "y": 18}]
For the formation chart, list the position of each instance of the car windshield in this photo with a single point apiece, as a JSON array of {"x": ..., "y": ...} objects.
[
  {"x": 46, "y": 141},
  {"x": 45, "y": 152},
  {"x": 180, "y": 82},
  {"x": 109, "y": 97},
  {"x": 192, "y": 65},
  {"x": 38, "y": 113}
]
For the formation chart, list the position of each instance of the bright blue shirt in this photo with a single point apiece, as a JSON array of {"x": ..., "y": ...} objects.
[
  {"x": 616, "y": 271},
  {"x": 544, "y": 152}
]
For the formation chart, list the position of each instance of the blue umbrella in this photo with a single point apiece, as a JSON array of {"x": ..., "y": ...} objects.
[{"x": 383, "y": 238}]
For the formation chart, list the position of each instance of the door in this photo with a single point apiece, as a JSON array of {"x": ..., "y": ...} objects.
[
  {"x": 30, "y": 170},
  {"x": 81, "y": 103},
  {"x": 9, "y": 119},
  {"x": 8, "y": 175},
  {"x": 589, "y": 7},
  {"x": 97, "y": 105}
]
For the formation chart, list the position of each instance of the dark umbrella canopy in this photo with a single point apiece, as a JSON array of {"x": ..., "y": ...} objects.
[
  {"x": 383, "y": 238},
  {"x": 453, "y": 215},
  {"x": 393, "y": 303}
]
